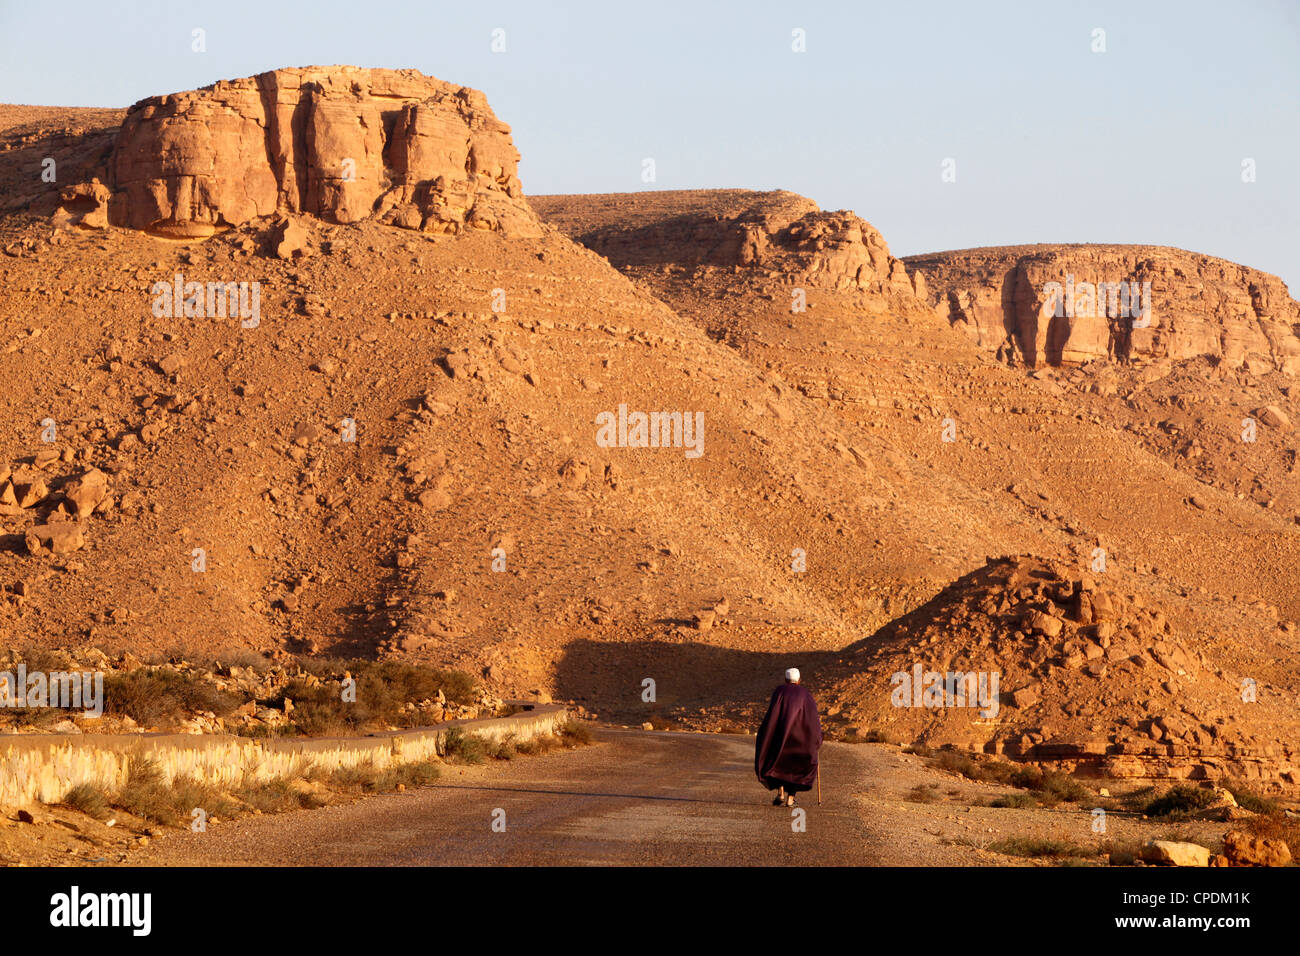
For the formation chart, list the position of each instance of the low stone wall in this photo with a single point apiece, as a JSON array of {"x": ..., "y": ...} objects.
[{"x": 43, "y": 767}]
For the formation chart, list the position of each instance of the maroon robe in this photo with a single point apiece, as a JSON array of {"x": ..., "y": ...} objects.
[{"x": 785, "y": 754}]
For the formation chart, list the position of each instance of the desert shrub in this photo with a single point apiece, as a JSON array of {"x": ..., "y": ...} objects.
[
  {"x": 147, "y": 795},
  {"x": 1249, "y": 800},
  {"x": 1026, "y": 778},
  {"x": 187, "y": 794},
  {"x": 503, "y": 749},
  {"x": 575, "y": 734},
  {"x": 955, "y": 762},
  {"x": 144, "y": 793},
  {"x": 1121, "y": 852},
  {"x": 42, "y": 659},
  {"x": 920, "y": 794},
  {"x": 983, "y": 770},
  {"x": 266, "y": 731},
  {"x": 998, "y": 771},
  {"x": 1016, "y": 801},
  {"x": 465, "y": 748},
  {"x": 151, "y": 696},
  {"x": 362, "y": 776},
  {"x": 419, "y": 774},
  {"x": 1180, "y": 801},
  {"x": 1054, "y": 788},
  {"x": 1034, "y": 847},
  {"x": 1135, "y": 801},
  {"x": 278, "y": 795},
  {"x": 366, "y": 778},
  {"x": 383, "y": 690},
  {"x": 1276, "y": 826},
  {"x": 89, "y": 799}
]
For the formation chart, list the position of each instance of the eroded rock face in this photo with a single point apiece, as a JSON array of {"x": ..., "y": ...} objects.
[
  {"x": 1198, "y": 305},
  {"x": 778, "y": 232},
  {"x": 340, "y": 143}
]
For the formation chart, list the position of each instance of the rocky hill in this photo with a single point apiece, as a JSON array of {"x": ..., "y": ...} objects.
[
  {"x": 767, "y": 233},
  {"x": 1039, "y": 660},
  {"x": 438, "y": 420},
  {"x": 1139, "y": 470}
]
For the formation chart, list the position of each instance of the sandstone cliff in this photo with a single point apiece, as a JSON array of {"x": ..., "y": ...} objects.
[
  {"x": 779, "y": 233},
  {"x": 1199, "y": 305},
  {"x": 339, "y": 143}
]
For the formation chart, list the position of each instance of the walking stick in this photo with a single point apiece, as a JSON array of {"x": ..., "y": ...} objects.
[{"x": 819, "y": 785}]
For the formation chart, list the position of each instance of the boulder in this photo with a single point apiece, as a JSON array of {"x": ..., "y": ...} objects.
[
  {"x": 1274, "y": 417},
  {"x": 86, "y": 204},
  {"x": 1168, "y": 853},
  {"x": 1245, "y": 849},
  {"x": 290, "y": 239},
  {"x": 32, "y": 493},
  {"x": 86, "y": 492},
  {"x": 60, "y": 537},
  {"x": 1043, "y": 624},
  {"x": 1026, "y": 696}
]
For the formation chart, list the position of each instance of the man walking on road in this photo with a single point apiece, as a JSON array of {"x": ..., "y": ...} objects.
[{"x": 785, "y": 754}]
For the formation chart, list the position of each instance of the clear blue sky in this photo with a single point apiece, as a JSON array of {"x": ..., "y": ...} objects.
[{"x": 1052, "y": 142}]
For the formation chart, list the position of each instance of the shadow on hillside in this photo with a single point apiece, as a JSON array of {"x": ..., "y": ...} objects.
[
  {"x": 685, "y": 675},
  {"x": 80, "y": 153},
  {"x": 359, "y": 631},
  {"x": 690, "y": 676}
]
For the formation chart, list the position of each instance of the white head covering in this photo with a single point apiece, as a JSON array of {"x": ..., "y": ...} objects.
[{"x": 792, "y": 675}]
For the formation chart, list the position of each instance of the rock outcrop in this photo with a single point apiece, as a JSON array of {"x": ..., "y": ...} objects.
[
  {"x": 1056, "y": 636},
  {"x": 1004, "y": 299},
  {"x": 339, "y": 143},
  {"x": 777, "y": 232}
]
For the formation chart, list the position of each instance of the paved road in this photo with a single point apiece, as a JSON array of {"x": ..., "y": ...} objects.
[{"x": 632, "y": 798}]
